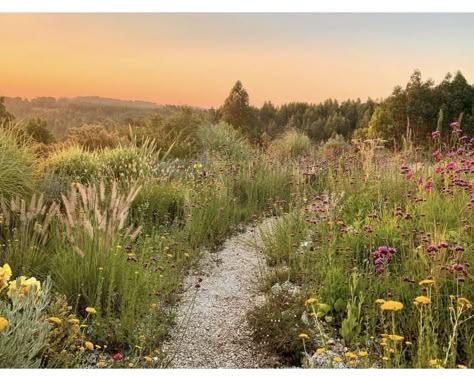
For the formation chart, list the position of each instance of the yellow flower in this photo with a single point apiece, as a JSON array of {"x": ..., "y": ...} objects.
[
  {"x": 310, "y": 301},
  {"x": 362, "y": 353},
  {"x": 3, "y": 323},
  {"x": 434, "y": 362},
  {"x": 148, "y": 358},
  {"x": 391, "y": 306},
  {"x": 130, "y": 365},
  {"x": 408, "y": 343},
  {"x": 303, "y": 336},
  {"x": 350, "y": 355},
  {"x": 89, "y": 345},
  {"x": 101, "y": 363},
  {"x": 5, "y": 274},
  {"x": 91, "y": 310},
  {"x": 462, "y": 366},
  {"x": 464, "y": 302},
  {"x": 422, "y": 300},
  {"x": 380, "y": 301},
  {"x": 73, "y": 321},
  {"x": 385, "y": 358},
  {"x": 426, "y": 282},
  {"x": 82, "y": 349},
  {"x": 25, "y": 286},
  {"x": 395, "y": 337},
  {"x": 157, "y": 352},
  {"x": 320, "y": 350},
  {"x": 337, "y": 359},
  {"x": 55, "y": 319},
  {"x": 98, "y": 347}
]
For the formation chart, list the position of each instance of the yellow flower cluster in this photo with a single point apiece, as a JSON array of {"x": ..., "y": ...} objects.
[
  {"x": 422, "y": 300},
  {"x": 3, "y": 323},
  {"x": 25, "y": 286},
  {"x": 389, "y": 305},
  {"x": 5, "y": 274}
]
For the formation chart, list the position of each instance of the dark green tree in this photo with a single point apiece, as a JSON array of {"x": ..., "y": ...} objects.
[
  {"x": 37, "y": 129},
  {"x": 236, "y": 110},
  {"x": 4, "y": 115}
]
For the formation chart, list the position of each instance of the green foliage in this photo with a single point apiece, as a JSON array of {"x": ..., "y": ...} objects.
[
  {"x": 24, "y": 233},
  {"x": 128, "y": 163},
  {"x": 26, "y": 336},
  {"x": 73, "y": 163},
  {"x": 37, "y": 130},
  {"x": 381, "y": 125},
  {"x": 335, "y": 146},
  {"x": 222, "y": 140},
  {"x": 291, "y": 144},
  {"x": 92, "y": 137},
  {"x": 16, "y": 166},
  {"x": 351, "y": 325},
  {"x": 158, "y": 203}
]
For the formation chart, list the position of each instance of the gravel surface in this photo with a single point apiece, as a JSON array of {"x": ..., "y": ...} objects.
[{"x": 215, "y": 333}]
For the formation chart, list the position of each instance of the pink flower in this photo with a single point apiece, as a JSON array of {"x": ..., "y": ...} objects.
[
  {"x": 435, "y": 134},
  {"x": 409, "y": 176},
  {"x": 428, "y": 186},
  {"x": 451, "y": 165},
  {"x": 436, "y": 153},
  {"x": 117, "y": 356},
  {"x": 438, "y": 169}
]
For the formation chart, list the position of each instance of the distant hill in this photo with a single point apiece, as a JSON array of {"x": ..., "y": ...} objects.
[
  {"x": 64, "y": 113},
  {"x": 116, "y": 102}
]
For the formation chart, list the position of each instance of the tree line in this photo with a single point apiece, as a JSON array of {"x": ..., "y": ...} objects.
[{"x": 413, "y": 111}]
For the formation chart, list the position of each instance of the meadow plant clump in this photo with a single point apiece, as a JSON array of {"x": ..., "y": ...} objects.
[
  {"x": 16, "y": 165},
  {"x": 291, "y": 144},
  {"x": 72, "y": 163},
  {"x": 23, "y": 326},
  {"x": 404, "y": 229}
]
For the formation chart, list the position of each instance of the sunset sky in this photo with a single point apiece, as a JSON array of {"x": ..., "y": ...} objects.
[{"x": 195, "y": 59}]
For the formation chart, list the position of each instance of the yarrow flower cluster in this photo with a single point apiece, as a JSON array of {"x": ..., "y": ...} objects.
[{"x": 382, "y": 255}]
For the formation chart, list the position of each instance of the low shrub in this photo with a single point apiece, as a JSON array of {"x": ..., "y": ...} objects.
[{"x": 24, "y": 329}]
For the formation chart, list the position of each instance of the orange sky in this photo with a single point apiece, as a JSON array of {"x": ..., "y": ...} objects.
[{"x": 196, "y": 58}]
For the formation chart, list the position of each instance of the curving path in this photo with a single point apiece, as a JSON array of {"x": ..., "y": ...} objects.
[{"x": 215, "y": 333}]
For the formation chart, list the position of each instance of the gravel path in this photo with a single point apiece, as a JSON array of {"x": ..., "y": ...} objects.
[{"x": 216, "y": 333}]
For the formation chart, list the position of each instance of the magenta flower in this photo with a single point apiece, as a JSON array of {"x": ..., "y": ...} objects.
[{"x": 435, "y": 135}]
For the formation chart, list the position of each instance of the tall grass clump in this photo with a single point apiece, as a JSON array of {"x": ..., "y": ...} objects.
[
  {"x": 223, "y": 140},
  {"x": 24, "y": 234},
  {"x": 16, "y": 165},
  {"x": 291, "y": 144}
]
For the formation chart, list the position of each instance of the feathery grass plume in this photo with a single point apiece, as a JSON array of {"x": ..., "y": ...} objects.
[{"x": 25, "y": 232}]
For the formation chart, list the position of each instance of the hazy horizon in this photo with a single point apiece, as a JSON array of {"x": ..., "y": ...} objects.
[{"x": 195, "y": 59}]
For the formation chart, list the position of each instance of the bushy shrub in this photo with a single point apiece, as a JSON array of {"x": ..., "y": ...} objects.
[
  {"x": 16, "y": 166},
  {"x": 222, "y": 139},
  {"x": 72, "y": 162},
  {"x": 26, "y": 334},
  {"x": 335, "y": 146},
  {"x": 291, "y": 144},
  {"x": 93, "y": 137}
]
